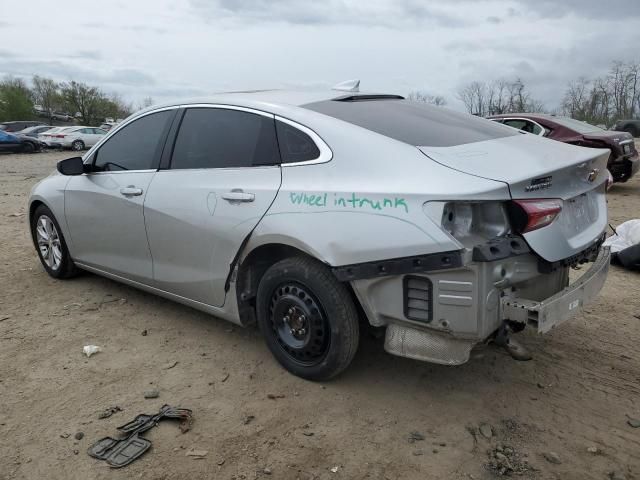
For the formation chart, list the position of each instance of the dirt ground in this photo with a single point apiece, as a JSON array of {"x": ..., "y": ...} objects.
[{"x": 572, "y": 400}]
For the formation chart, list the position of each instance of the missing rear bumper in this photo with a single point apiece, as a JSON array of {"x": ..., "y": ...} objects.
[{"x": 565, "y": 304}]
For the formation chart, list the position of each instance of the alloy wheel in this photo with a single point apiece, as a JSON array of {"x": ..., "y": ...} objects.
[{"x": 49, "y": 242}]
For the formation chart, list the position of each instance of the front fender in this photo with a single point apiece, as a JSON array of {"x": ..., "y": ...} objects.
[{"x": 50, "y": 192}]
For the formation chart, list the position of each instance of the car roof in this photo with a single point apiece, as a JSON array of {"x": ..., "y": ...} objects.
[{"x": 266, "y": 98}]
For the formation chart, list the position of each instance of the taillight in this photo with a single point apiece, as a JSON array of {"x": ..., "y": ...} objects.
[
  {"x": 59, "y": 136},
  {"x": 534, "y": 214}
]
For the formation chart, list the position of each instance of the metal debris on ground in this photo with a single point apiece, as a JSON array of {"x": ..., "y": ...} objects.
[
  {"x": 415, "y": 437},
  {"x": 170, "y": 365},
  {"x": 123, "y": 451},
  {"x": 273, "y": 396}
]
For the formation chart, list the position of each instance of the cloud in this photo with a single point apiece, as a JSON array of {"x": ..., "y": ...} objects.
[
  {"x": 85, "y": 54},
  {"x": 595, "y": 9},
  {"x": 329, "y": 12},
  {"x": 63, "y": 71}
]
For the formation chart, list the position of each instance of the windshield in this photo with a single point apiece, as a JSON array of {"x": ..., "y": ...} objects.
[{"x": 576, "y": 125}]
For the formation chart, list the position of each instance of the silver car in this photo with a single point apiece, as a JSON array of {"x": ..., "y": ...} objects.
[{"x": 306, "y": 212}]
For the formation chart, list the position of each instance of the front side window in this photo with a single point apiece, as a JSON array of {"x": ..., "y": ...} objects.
[
  {"x": 224, "y": 138},
  {"x": 295, "y": 145},
  {"x": 136, "y": 146}
]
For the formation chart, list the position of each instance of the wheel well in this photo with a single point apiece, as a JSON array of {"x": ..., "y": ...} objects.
[
  {"x": 253, "y": 268},
  {"x": 32, "y": 208}
]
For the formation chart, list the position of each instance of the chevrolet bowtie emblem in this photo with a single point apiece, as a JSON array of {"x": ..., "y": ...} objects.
[{"x": 593, "y": 174}]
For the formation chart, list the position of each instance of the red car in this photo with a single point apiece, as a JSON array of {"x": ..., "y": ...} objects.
[{"x": 623, "y": 162}]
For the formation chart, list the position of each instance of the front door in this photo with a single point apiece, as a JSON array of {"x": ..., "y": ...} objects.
[
  {"x": 104, "y": 208},
  {"x": 223, "y": 176}
]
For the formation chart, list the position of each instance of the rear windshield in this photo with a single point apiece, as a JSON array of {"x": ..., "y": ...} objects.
[
  {"x": 414, "y": 123},
  {"x": 576, "y": 125}
]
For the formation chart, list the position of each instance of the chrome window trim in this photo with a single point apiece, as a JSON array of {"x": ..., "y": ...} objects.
[
  {"x": 325, "y": 156},
  {"x": 110, "y": 172},
  {"x": 222, "y": 106},
  {"x": 120, "y": 126},
  {"x": 325, "y": 152}
]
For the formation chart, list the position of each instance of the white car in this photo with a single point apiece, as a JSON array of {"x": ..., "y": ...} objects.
[{"x": 75, "y": 138}]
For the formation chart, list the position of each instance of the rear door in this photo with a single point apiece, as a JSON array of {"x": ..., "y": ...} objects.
[
  {"x": 104, "y": 208},
  {"x": 220, "y": 179}
]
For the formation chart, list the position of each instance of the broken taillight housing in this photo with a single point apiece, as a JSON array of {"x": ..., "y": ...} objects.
[{"x": 530, "y": 215}]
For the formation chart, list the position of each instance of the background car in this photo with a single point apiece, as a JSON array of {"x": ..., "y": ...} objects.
[
  {"x": 629, "y": 126},
  {"x": 18, "y": 125},
  {"x": 623, "y": 162},
  {"x": 50, "y": 137},
  {"x": 80, "y": 138},
  {"x": 10, "y": 142},
  {"x": 35, "y": 131}
]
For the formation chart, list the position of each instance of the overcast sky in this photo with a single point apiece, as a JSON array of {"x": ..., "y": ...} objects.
[{"x": 180, "y": 48}]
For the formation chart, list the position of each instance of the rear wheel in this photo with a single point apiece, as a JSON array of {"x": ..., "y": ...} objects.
[
  {"x": 632, "y": 130},
  {"x": 308, "y": 318},
  {"x": 77, "y": 145},
  {"x": 50, "y": 244},
  {"x": 28, "y": 147}
]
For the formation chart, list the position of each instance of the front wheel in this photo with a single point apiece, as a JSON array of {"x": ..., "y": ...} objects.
[
  {"x": 50, "y": 244},
  {"x": 308, "y": 318}
]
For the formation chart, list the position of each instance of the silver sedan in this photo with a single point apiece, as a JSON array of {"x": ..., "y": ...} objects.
[{"x": 309, "y": 212}]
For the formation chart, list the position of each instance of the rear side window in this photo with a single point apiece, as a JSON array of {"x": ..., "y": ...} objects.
[
  {"x": 224, "y": 138},
  {"x": 295, "y": 145},
  {"x": 135, "y": 146},
  {"x": 414, "y": 123}
]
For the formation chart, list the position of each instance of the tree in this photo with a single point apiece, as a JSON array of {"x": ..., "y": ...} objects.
[
  {"x": 498, "y": 96},
  {"x": 418, "y": 96},
  {"x": 145, "y": 103},
  {"x": 605, "y": 99},
  {"x": 46, "y": 93},
  {"x": 15, "y": 100}
]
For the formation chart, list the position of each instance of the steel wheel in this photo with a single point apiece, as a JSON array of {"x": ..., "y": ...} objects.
[
  {"x": 49, "y": 242},
  {"x": 299, "y": 324}
]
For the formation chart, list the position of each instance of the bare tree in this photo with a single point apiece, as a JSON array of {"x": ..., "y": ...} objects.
[
  {"x": 46, "y": 93},
  {"x": 498, "y": 96},
  {"x": 473, "y": 96},
  {"x": 418, "y": 96},
  {"x": 145, "y": 103}
]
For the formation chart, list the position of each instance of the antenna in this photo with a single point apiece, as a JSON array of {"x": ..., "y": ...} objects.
[{"x": 348, "y": 86}]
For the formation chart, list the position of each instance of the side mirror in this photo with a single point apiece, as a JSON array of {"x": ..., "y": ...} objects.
[{"x": 72, "y": 166}]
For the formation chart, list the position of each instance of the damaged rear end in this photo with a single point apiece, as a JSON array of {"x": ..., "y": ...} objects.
[{"x": 524, "y": 249}]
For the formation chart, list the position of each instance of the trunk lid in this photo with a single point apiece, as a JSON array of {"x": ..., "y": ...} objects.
[{"x": 535, "y": 167}]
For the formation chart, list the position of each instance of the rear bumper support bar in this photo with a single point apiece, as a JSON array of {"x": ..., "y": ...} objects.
[{"x": 563, "y": 305}]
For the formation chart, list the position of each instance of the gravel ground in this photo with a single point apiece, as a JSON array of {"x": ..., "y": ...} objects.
[{"x": 561, "y": 416}]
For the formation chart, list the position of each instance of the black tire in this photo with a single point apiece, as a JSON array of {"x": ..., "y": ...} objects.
[
  {"x": 28, "y": 147},
  {"x": 321, "y": 336},
  {"x": 66, "y": 268},
  {"x": 632, "y": 130},
  {"x": 77, "y": 145}
]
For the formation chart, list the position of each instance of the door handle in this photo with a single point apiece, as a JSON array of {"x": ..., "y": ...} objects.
[
  {"x": 131, "y": 191},
  {"x": 238, "y": 196}
]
